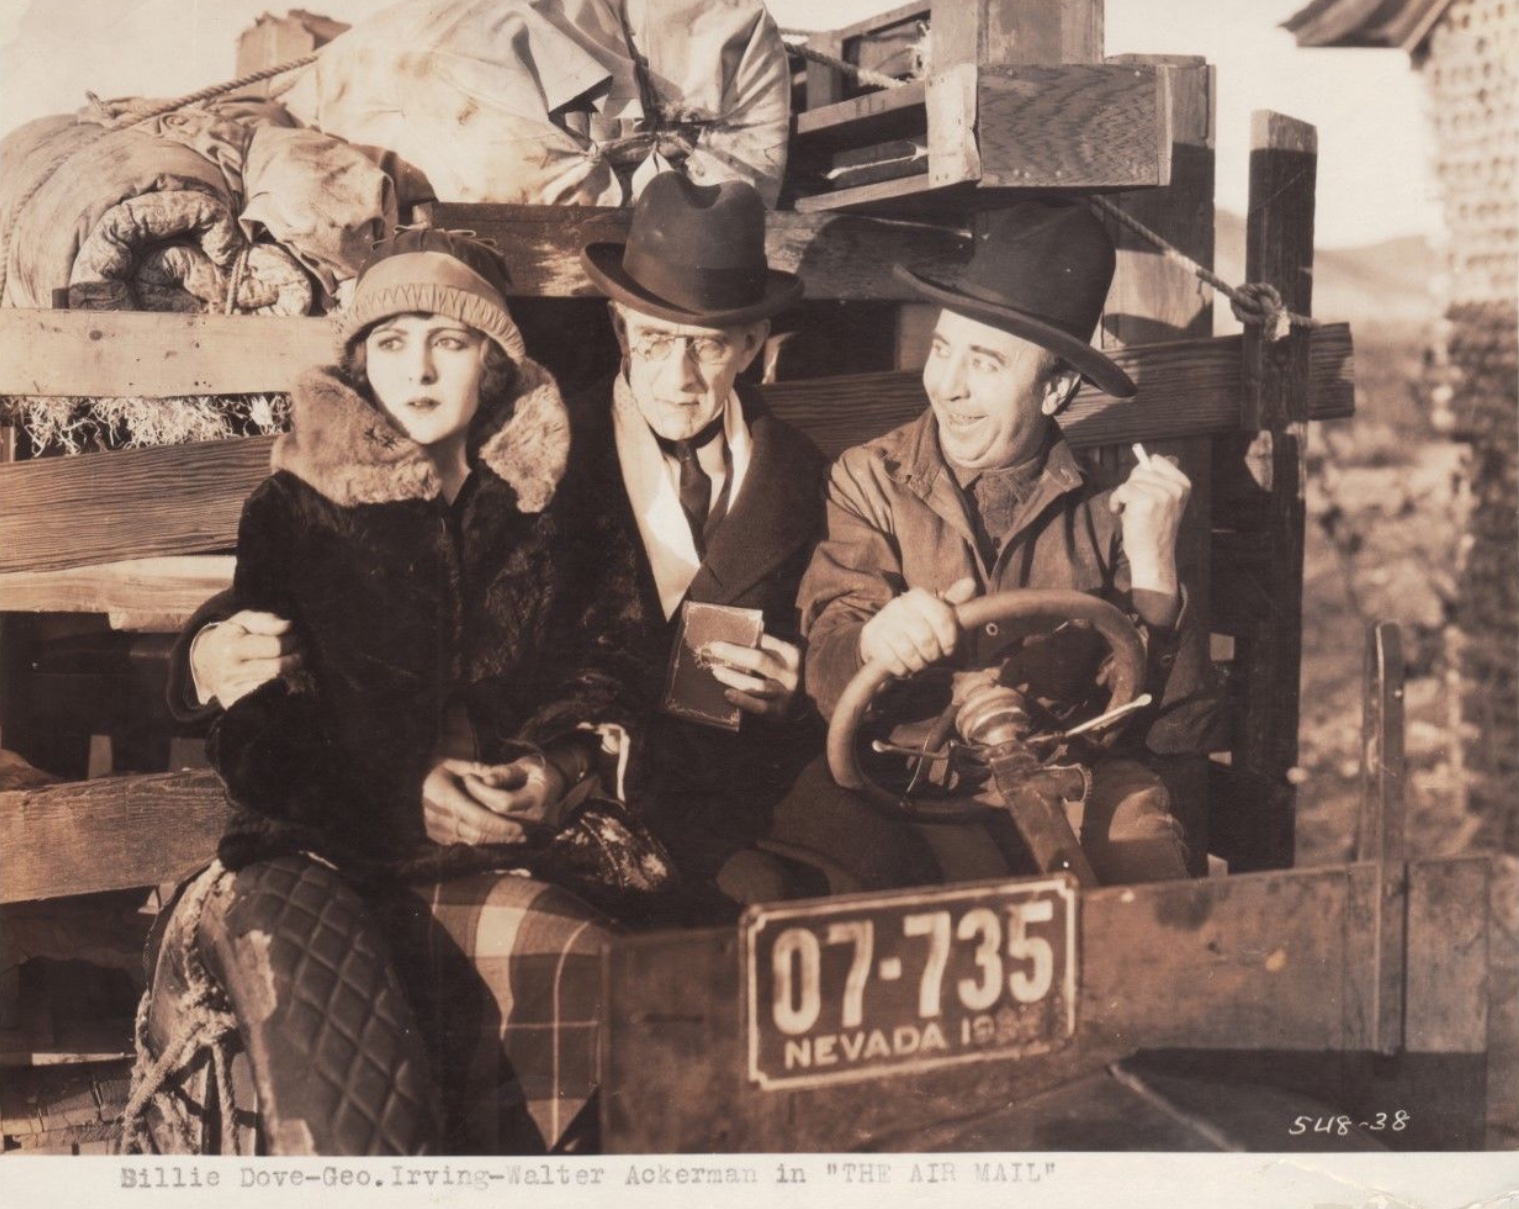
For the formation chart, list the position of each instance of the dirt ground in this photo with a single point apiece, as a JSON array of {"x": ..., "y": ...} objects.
[{"x": 1386, "y": 505}]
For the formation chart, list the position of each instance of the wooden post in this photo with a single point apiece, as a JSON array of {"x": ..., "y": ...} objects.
[
  {"x": 1380, "y": 829},
  {"x": 1279, "y": 252},
  {"x": 1380, "y": 824},
  {"x": 825, "y": 85},
  {"x": 272, "y": 40},
  {"x": 1155, "y": 299}
]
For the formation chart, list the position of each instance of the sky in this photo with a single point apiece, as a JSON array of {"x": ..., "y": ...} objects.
[{"x": 1369, "y": 105}]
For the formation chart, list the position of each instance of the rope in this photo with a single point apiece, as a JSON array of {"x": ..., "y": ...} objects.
[
  {"x": 1253, "y": 302},
  {"x": 133, "y": 117},
  {"x": 235, "y": 278},
  {"x": 129, "y": 118},
  {"x": 207, "y": 1027},
  {"x": 863, "y": 74}
]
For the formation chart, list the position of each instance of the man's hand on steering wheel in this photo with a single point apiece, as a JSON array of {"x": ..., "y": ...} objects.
[
  {"x": 916, "y": 629},
  {"x": 229, "y": 659},
  {"x": 984, "y": 711}
]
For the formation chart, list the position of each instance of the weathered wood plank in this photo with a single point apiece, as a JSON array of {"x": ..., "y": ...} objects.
[
  {"x": 107, "y": 834},
  {"x": 121, "y": 353},
  {"x": 1073, "y": 127},
  {"x": 1380, "y": 821},
  {"x": 132, "y": 504},
  {"x": 1445, "y": 998},
  {"x": 871, "y": 118},
  {"x": 1502, "y": 1063},
  {"x": 888, "y": 43},
  {"x": 825, "y": 85},
  {"x": 988, "y": 32},
  {"x": 1152, "y": 297},
  {"x": 1186, "y": 388},
  {"x": 137, "y": 503},
  {"x": 839, "y": 257},
  {"x": 917, "y": 10},
  {"x": 1265, "y": 960},
  {"x": 953, "y": 155},
  {"x": 1380, "y": 827},
  {"x": 1263, "y": 953},
  {"x": 907, "y": 188},
  {"x": 158, "y": 587},
  {"x": 1361, "y": 983},
  {"x": 1279, "y": 251}
]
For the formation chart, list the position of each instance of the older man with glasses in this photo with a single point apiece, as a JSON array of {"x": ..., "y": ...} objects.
[{"x": 706, "y": 498}]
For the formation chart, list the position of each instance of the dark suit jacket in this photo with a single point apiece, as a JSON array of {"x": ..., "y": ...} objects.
[{"x": 708, "y": 792}]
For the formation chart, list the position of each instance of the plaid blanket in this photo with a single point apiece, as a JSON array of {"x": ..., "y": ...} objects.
[{"x": 505, "y": 977}]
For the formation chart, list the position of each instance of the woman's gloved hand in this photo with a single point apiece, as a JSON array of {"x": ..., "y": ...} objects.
[{"x": 465, "y": 802}]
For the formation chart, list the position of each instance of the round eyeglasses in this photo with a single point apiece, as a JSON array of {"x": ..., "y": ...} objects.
[{"x": 660, "y": 346}]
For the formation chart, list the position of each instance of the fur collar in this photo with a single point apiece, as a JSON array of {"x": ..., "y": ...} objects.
[{"x": 352, "y": 453}]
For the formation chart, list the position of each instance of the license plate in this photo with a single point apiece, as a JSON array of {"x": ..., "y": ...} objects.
[{"x": 869, "y": 985}]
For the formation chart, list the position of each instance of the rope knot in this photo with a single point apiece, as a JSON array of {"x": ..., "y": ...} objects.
[{"x": 1256, "y": 302}]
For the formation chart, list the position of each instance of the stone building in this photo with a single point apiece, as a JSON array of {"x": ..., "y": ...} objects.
[{"x": 1468, "y": 54}]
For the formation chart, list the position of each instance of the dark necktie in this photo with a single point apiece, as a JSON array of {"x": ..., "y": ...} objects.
[{"x": 695, "y": 483}]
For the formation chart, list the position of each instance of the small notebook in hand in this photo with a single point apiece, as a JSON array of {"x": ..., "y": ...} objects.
[{"x": 691, "y": 690}]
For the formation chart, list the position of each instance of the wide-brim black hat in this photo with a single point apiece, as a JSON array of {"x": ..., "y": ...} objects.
[
  {"x": 1040, "y": 270},
  {"x": 694, "y": 254}
]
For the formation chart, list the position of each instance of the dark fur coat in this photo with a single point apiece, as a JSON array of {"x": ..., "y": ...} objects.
[{"x": 411, "y": 612}]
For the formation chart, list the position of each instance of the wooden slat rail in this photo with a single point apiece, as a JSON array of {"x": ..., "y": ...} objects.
[
  {"x": 108, "y": 834},
  {"x": 839, "y": 257},
  {"x": 163, "y": 588},
  {"x": 102, "y": 508},
  {"x": 152, "y": 354},
  {"x": 136, "y": 503}
]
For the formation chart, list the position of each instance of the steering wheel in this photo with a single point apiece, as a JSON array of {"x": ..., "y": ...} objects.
[{"x": 1045, "y": 609}]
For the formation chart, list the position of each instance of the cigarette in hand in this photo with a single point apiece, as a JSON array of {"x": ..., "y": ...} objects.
[{"x": 1141, "y": 454}]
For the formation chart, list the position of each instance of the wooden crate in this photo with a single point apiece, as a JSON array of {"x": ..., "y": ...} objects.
[{"x": 1013, "y": 97}]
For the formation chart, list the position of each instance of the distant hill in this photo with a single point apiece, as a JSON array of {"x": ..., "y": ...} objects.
[{"x": 1391, "y": 282}]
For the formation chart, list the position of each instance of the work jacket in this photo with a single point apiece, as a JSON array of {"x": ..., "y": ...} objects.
[{"x": 897, "y": 519}]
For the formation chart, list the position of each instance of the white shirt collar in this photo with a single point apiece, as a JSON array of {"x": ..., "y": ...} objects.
[{"x": 653, "y": 490}]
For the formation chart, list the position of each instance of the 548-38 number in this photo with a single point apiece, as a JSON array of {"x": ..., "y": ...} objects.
[{"x": 1340, "y": 1126}]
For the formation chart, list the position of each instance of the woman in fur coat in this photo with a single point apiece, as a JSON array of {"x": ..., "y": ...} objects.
[
  {"x": 410, "y": 531},
  {"x": 441, "y": 742}
]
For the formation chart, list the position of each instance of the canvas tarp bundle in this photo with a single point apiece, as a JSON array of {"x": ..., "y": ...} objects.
[
  {"x": 253, "y": 206},
  {"x": 177, "y": 213},
  {"x": 532, "y": 102}
]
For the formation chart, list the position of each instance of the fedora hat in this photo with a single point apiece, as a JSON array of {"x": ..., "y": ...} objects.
[
  {"x": 695, "y": 254},
  {"x": 1040, "y": 270}
]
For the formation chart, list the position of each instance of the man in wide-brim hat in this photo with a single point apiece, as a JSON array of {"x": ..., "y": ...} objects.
[
  {"x": 981, "y": 494},
  {"x": 705, "y": 498}
]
